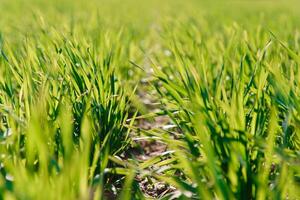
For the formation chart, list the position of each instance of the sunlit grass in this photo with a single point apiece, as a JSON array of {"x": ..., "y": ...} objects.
[{"x": 75, "y": 76}]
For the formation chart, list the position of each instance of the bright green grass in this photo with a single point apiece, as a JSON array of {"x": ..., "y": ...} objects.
[{"x": 226, "y": 73}]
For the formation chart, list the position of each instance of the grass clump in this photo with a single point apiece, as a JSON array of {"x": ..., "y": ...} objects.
[
  {"x": 63, "y": 113},
  {"x": 235, "y": 113}
]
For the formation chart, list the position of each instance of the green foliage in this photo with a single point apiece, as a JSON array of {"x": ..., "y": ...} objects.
[
  {"x": 238, "y": 113},
  {"x": 63, "y": 112},
  {"x": 75, "y": 76}
]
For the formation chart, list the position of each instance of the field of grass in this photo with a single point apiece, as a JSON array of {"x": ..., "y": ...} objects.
[{"x": 173, "y": 99}]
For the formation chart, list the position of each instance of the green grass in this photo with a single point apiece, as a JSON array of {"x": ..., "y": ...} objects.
[{"x": 76, "y": 76}]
